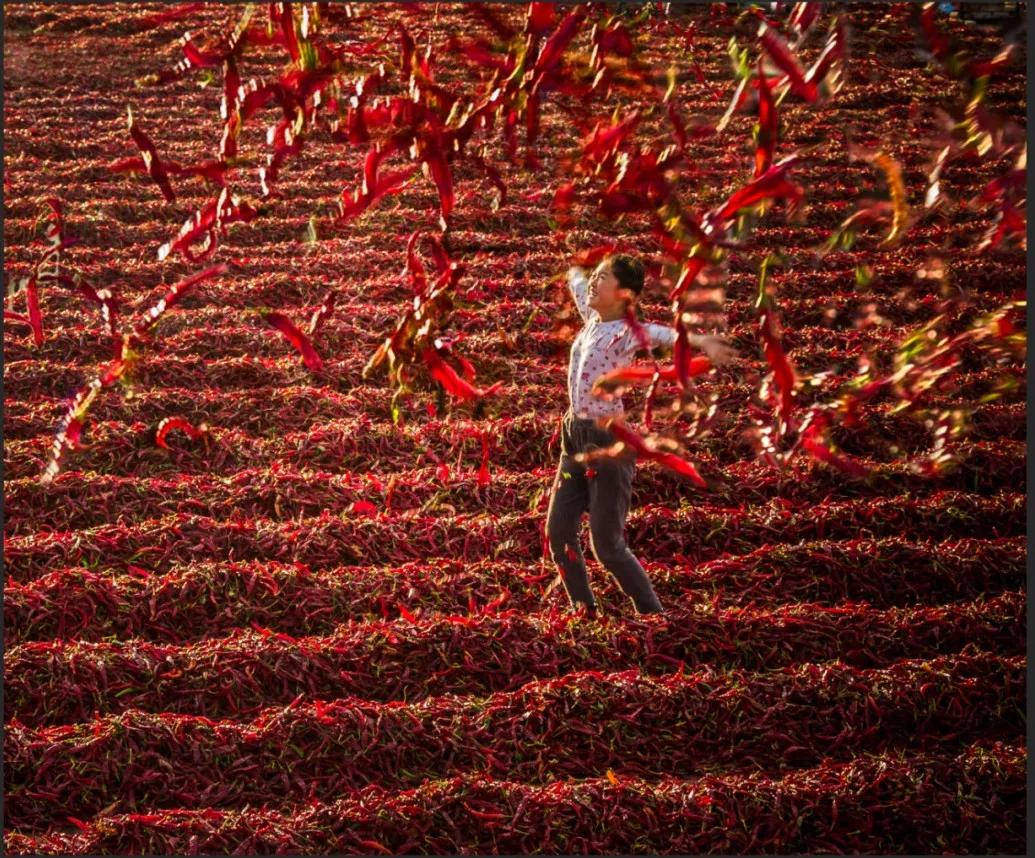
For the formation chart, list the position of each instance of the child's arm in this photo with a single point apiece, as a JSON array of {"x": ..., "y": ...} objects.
[
  {"x": 661, "y": 336},
  {"x": 716, "y": 348},
  {"x": 578, "y": 285}
]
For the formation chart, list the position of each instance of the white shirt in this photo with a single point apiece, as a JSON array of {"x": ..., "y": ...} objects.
[{"x": 599, "y": 348}]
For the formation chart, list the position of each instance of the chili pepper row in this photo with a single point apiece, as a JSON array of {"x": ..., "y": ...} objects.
[
  {"x": 211, "y": 599},
  {"x": 294, "y": 408},
  {"x": 355, "y": 333},
  {"x": 242, "y": 374},
  {"x": 816, "y": 302},
  {"x": 354, "y": 444},
  {"x": 527, "y": 442},
  {"x": 62, "y": 681},
  {"x": 351, "y": 339},
  {"x": 576, "y": 726},
  {"x": 247, "y": 375},
  {"x": 697, "y": 533},
  {"x": 77, "y": 500},
  {"x": 372, "y": 255},
  {"x": 876, "y": 803}
]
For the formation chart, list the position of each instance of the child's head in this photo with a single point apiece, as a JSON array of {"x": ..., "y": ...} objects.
[{"x": 618, "y": 279}]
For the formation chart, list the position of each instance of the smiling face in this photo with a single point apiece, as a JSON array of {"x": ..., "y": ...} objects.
[{"x": 606, "y": 295}]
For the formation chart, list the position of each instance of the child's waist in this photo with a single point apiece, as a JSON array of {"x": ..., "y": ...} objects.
[{"x": 571, "y": 418}]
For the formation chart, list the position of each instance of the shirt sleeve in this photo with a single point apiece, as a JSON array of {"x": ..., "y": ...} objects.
[
  {"x": 578, "y": 285},
  {"x": 661, "y": 335}
]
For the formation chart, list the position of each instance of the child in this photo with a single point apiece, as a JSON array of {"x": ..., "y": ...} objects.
[{"x": 605, "y": 487}]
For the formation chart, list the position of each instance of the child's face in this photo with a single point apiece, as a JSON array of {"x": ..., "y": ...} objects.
[{"x": 606, "y": 296}]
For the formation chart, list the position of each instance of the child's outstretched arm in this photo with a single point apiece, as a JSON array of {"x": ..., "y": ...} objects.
[
  {"x": 578, "y": 285},
  {"x": 660, "y": 336},
  {"x": 716, "y": 348}
]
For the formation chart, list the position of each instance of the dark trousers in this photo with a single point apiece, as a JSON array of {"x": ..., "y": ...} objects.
[{"x": 605, "y": 494}]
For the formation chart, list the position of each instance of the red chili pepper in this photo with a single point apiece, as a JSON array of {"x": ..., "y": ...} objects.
[
  {"x": 169, "y": 423},
  {"x": 294, "y": 336},
  {"x": 767, "y": 125}
]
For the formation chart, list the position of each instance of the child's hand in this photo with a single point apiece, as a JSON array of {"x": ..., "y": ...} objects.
[{"x": 717, "y": 350}]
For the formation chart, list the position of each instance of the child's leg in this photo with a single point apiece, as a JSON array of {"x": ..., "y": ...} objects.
[
  {"x": 610, "y": 490},
  {"x": 570, "y": 499}
]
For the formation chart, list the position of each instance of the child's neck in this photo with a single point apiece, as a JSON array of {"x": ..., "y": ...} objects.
[{"x": 612, "y": 315}]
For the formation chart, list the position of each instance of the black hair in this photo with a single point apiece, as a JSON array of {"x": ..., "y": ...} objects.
[{"x": 628, "y": 271}]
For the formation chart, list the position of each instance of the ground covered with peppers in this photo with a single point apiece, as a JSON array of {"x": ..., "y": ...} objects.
[{"x": 308, "y": 615}]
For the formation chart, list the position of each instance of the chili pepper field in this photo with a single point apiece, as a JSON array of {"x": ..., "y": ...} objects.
[{"x": 285, "y": 355}]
